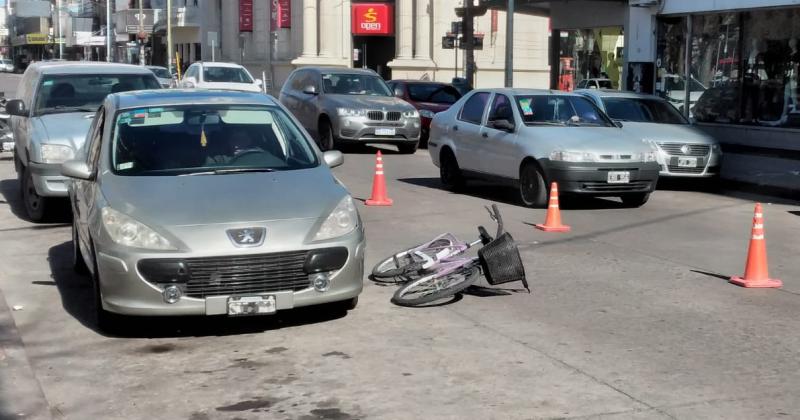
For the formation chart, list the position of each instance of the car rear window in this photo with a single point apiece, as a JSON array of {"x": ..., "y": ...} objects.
[
  {"x": 433, "y": 92},
  {"x": 643, "y": 110},
  {"x": 225, "y": 75}
]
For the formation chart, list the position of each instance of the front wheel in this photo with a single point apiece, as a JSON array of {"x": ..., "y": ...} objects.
[
  {"x": 532, "y": 187},
  {"x": 36, "y": 206},
  {"x": 635, "y": 200},
  {"x": 436, "y": 286},
  {"x": 326, "y": 139},
  {"x": 449, "y": 172},
  {"x": 393, "y": 268}
]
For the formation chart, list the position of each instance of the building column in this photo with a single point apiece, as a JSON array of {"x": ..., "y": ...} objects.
[
  {"x": 405, "y": 29},
  {"x": 309, "y": 28},
  {"x": 423, "y": 35},
  {"x": 328, "y": 25}
]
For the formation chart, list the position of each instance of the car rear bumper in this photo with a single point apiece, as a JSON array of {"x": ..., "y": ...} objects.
[{"x": 593, "y": 178}]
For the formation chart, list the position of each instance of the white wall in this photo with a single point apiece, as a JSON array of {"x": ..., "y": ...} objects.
[{"x": 688, "y": 6}]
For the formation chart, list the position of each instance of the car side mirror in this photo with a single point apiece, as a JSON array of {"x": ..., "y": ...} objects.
[
  {"x": 398, "y": 92},
  {"x": 333, "y": 158},
  {"x": 310, "y": 90},
  {"x": 504, "y": 125},
  {"x": 189, "y": 82},
  {"x": 77, "y": 169},
  {"x": 259, "y": 82},
  {"x": 16, "y": 107}
]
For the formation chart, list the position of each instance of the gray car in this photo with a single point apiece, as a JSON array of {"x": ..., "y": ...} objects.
[
  {"x": 203, "y": 202},
  {"x": 50, "y": 119},
  {"x": 350, "y": 106},
  {"x": 164, "y": 77},
  {"x": 682, "y": 150},
  {"x": 529, "y": 138}
]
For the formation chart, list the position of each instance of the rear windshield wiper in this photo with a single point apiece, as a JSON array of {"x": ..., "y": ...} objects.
[{"x": 230, "y": 171}]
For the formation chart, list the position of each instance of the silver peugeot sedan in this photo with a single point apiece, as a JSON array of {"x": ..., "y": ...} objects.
[
  {"x": 529, "y": 138},
  {"x": 350, "y": 106},
  {"x": 202, "y": 202},
  {"x": 682, "y": 150}
]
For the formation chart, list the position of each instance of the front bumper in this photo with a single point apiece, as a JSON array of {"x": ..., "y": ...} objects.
[
  {"x": 705, "y": 165},
  {"x": 592, "y": 178},
  {"x": 126, "y": 291},
  {"x": 47, "y": 179},
  {"x": 363, "y": 130}
]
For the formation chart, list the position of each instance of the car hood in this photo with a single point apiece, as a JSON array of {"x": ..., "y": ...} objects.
[
  {"x": 223, "y": 199},
  {"x": 666, "y": 132},
  {"x": 367, "y": 102},
  {"x": 247, "y": 87},
  {"x": 600, "y": 140},
  {"x": 68, "y": 128}
]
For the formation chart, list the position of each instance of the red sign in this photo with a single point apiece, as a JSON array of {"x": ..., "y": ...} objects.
[
  {"x": 280, "y": 14},
  {"x": 245, "y": 15},
  {"x": 373, "y": 19}
]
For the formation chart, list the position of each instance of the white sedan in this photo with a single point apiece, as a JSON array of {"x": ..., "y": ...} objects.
[{"x": 228, "y": 76}]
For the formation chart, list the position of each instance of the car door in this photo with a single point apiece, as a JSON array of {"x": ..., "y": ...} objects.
[
  {"x": 499, "y": 148},
  {"x": 466, "y": 131},
  {"x": 84, "y": 193},
  {"x": 307, "y": 111}
]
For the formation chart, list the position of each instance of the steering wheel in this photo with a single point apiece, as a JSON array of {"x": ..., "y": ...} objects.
[{"x": 241, "y": 158}]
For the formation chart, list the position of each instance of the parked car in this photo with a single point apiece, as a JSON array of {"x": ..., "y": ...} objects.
[
  {"x": 529, "y": 138},
  {"x": 673, "y": 89},
  {"x": 6, "y": 65},
  {"x": 682, "y": 150},
  {"x": 164, "y": 77},
  {"x": 595, "y": 84},
  {"x": 350, "y": 106},
  {"x": 51, "y": 118},
  {"x": 427, "y": 97},
  {"x": 210, "y": 203},
  {"x": 228, "y": 76}
]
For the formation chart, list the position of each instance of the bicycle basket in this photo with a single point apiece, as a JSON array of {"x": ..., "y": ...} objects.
[{"x": 501, "y": 262}]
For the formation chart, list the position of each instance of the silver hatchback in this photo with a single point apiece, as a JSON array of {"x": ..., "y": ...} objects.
[{"x": 207, "y": 203}]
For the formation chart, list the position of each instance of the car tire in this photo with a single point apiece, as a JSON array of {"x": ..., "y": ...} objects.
[
  {"x": 36, "y": 206},
  {"x": 106, "y": 322},
  {"x": 532, "y": 186},
  {"x": 635, "y": 200},
  {"x": 78, "y": 263},
  {"x": 326, "y": 139},
  {"x": 18, "y": 168},
  {"x": 449, "y": 172},
  {"x": 407, "y": 149}
]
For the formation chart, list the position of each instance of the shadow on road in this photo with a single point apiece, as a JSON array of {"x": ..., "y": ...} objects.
[
  {"x": 10, "y": 190},
  {"x": 77, "y": 300}
]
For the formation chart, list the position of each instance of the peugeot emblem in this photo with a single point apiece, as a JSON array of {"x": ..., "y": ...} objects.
[
  {"x": 685, "y": 149},
  {"x": 247, "y": 237}
]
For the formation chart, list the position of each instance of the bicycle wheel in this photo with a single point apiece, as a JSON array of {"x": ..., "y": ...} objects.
[
  {"x": 405, "y": 264},
  {"x": 435, "y": 287}
]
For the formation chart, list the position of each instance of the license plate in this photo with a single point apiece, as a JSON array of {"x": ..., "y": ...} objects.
[
  {"x": 384, "y": 131},
  {"x": 251, "y": 305},
  {"x": 619, "y": 177},
  {"x": 687, "y": 162}
]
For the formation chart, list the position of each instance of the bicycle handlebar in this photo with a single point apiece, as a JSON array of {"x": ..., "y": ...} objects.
[{"x": 494, "y": 213}]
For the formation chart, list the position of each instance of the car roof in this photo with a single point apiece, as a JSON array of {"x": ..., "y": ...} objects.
[
  {"x": 83, "y": 67},
  {"x": 219, "y": 64},
  {"x": 171, "y": 97},
  {"x": 525, "y": 91},
  {"x": 340, "y": 70},
  {"x": 612, "y": 93},
  {"x": 420, "y": 82}
]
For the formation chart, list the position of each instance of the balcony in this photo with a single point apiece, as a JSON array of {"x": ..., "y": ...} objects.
[{"x": 184, "y": 16}]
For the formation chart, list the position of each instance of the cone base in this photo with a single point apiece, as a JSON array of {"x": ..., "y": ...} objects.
[
  {"x": 773, "y": 283},
  {"x": 384, "y": 202},
  {"x": 562, "y": 228}
]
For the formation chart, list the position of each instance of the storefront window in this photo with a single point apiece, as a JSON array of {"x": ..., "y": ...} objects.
[
  {"x": 715, "y": 67},
  {"x": 590, "y": 54},
  {"x": 671, "y": 61}
]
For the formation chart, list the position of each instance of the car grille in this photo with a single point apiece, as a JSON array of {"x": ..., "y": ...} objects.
[
  {"x": 695, "y": 149},
  {"x": 606, "y": 187},
  {"x": 250, "y": 274},
  {"x": 682, "y": 170},
  {"x": 393, "y": 116},
  {"x": 375, "y": 115}
]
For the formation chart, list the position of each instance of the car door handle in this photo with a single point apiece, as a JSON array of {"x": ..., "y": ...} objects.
[
  {"x": 455, "y": 128},
  {"x": 485, "y": 135}
]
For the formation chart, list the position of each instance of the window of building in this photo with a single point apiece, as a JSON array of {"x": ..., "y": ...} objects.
[{"x": 594, "y": 53}]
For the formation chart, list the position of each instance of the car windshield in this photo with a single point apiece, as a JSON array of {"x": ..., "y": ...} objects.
[
  {"x": 77, "y": 93},
  {"x": 207, "y": 140},
  {"x": 161, "y": 72},
  {"x": 560, "y": 110},
  {"x": 643, "y": 110},
  {"x": 605, "y": 84},
  {"x": 225, "y": 75},
  {"x": 354, "y": 84},
  {"x": 433, "y": 92}
]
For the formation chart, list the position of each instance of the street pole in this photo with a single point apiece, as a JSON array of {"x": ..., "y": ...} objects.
[
  {"x": 169, "y": 35},
  {"x": 60, "y": 30},
  {"x": 141, "y": 32},
  {"x": 509, "y": 70},
  {"x": 108, "y": 31},
  {"x": 455, "y": 60},
  {"x": 469, "y": 51}
]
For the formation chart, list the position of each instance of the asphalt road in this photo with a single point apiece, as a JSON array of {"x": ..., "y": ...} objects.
[{"x": 631, "y": 316}]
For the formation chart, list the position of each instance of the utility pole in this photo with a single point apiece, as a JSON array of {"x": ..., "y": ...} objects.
[
  {"x": 142, "y": 37},
  {"x": 108, "y": 31},
  {"x": 169, "y": 35},
  {"x": 509, "y": 70},
  {"x": 60, "y": 32}
]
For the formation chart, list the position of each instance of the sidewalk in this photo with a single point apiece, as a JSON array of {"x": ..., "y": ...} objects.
[{"x": 21, "y": 397}]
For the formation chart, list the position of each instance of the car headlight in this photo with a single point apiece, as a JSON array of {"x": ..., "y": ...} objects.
[
  {"x": 426, "y": 113},
  {"x": 350, "y": 112},
  {"x": 342, "y": 220},
  {"x": 56, "y": 153},
  {"x": 566, "y": 156},
  {"x": 716, "y": 148},
  {"x": 124, "y": 230},
  {"x": 646, "y": 157},
  {"x": 411, "y": 114}
]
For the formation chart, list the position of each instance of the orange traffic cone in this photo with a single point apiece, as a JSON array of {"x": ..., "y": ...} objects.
[
  {"x": 379, "y": 197},
  {"x": 755, "y": 272},
  {"x": 552, "y": 222}
]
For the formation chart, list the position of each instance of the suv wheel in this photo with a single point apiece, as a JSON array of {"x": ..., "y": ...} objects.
[{"x": 326, "y": 140}]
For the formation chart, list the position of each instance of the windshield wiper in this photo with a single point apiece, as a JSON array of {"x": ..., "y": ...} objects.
[
  {"x": 551, "y": 122},
  {"x": 229, "y": 171},
  {"x": 59, "y": 110}
]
